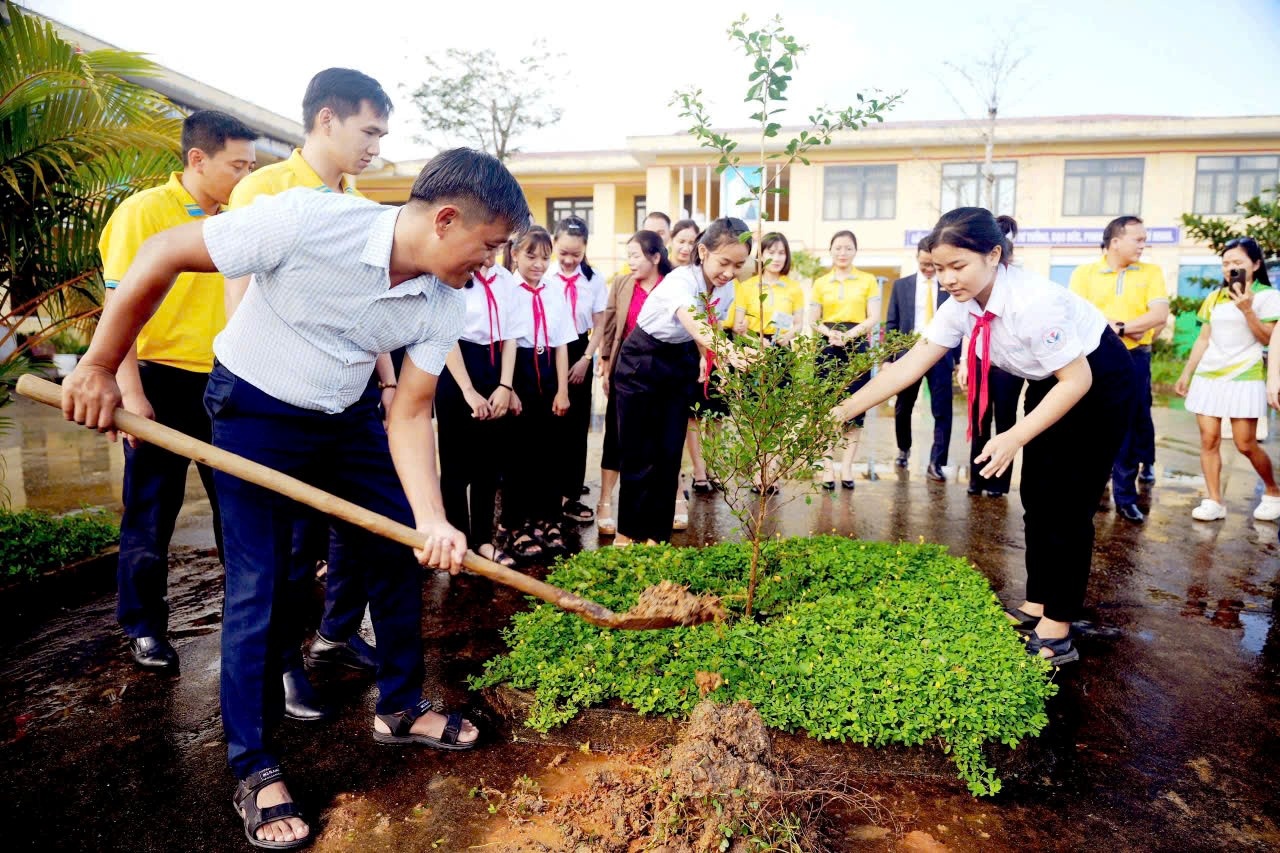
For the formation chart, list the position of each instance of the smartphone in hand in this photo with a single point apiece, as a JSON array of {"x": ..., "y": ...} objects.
[{"x": 1236, "y": 283}]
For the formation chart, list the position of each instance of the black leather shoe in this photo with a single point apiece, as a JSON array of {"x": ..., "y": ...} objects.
[
  {"x": 1146, "y": 475},
  {"x": 934, "y": 472},
  {"x": 300, "y": 700},
  {"x": 903, "y": 457},
  {"x": 974, "y": 491},
  {"x": 153, "y": 653},
  {"x": 1130, "y": 512},
  {"x": 354, "y": 654}
]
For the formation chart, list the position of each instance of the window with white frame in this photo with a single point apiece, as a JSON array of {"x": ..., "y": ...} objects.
[
  {"x": 859, "y": 192},
  {"x": 559, "y": 208},
  {"x": 964, "y": 185},
  {"x": 1224, "y": 182},
  {"x": 1110, "y": 187}
]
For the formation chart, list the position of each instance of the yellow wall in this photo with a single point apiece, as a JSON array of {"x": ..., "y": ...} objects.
[{"x": 1168, "y": 183}]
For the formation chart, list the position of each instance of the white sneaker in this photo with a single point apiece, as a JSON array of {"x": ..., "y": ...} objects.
[
  {"x": 1268, "y": 510},
  {"x": 1209, "y": 510}
]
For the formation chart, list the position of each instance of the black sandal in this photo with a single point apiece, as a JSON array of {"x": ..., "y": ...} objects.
[
  {"x": 550, "y": 537},
  {"x": 499, "y": 556},
  {"x": 1023, "y": 623},
  {"x": 525, "y": 545},
  {"x": 1064, "y": 651},
  {"x": 401, "y": 733},
  {"x": 703, "y": 487},
  {"x": 245, "y": 802},
  {"x": 577, "y": 511}
]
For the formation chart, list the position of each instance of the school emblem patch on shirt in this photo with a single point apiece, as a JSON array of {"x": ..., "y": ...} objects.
[{"x": 1052, "y": 337}]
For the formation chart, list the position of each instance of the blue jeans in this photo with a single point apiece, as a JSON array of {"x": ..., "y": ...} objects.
[
  {"x": 155, "y": 482},
  {"x": 346, "y": 454},
  {"x": 1139, "y": 438}
]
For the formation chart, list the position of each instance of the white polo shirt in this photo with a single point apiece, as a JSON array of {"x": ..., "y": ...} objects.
[
  {"x": 1038, "y": 328},
  {"x": 682, "y": 288},
  {"x": 321, "y": 306}
]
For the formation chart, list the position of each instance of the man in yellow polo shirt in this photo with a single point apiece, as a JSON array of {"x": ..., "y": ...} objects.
[
  {"x": 344, "y": 113},
  {"x": 164, "y": 377},
  {"x": 1135, "y": 299}
]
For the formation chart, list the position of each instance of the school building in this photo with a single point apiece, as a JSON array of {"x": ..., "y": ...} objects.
[{"x": 1063, "y": 178}]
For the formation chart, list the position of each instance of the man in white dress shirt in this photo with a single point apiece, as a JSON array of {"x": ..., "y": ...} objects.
[{"x": 337, "y": 280}]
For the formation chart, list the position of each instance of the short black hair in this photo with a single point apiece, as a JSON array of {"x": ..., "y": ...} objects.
[
  {"x": 477, "y": 182},
  {"x": 209, "y": 131},
  {"x": 1115, "y": 228},
  {"x": 658, "y": 214},
  {"x": 923, "y": 245},
  {"x": 342, "y": 90}
]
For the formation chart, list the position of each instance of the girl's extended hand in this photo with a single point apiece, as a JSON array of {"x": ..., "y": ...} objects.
[{"x": 1000, "y": 451}]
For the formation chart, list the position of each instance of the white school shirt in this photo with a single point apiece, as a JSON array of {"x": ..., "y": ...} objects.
[
  {"x": 480, "y": 318},
  {"x": 593, "y": 295},
  {"x": 1038, "y": 328},
  {"x": 321, "y": 306},
  {"x": 682, "y": 288},
  {"x": 926, "y": 289},
  {"x": 559, "y": 323}
]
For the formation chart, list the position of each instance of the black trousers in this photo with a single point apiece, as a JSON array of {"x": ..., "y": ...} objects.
[
  {"x": 651, "y": 382},
  {"x": 155, "y": 483},
  {"x": 470, "y": 449},
  {"x": 1002, "y": 409},
  {"x": 531, "y": 477},
  {"x": 1064, "y": 471},
  {"x": 941, "y": 390},
  {"x": 609, "y": 451},
  {"x": 572, "y": 451}
]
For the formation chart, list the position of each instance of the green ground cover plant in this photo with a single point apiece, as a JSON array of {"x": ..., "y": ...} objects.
[
  {"x": 32, "y": 541},
  {"x": 872, "y": 642}
]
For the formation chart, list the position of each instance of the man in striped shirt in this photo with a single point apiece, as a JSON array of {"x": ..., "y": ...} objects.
[{"x": 337, "y": 281}]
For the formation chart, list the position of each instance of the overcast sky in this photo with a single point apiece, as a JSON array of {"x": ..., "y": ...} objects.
[{"x": 624, "y": 60}]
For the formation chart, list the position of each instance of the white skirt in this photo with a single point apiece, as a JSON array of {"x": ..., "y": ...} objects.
[{"x": 1227, "y": 398}]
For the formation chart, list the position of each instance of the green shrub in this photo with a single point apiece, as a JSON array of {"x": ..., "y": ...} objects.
[
  {"x": 871, "y": 642},
  {"x": 31, "y": 541}
]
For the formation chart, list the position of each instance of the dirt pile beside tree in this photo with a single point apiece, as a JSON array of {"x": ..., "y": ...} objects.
[{"x": 718, "y": 788}]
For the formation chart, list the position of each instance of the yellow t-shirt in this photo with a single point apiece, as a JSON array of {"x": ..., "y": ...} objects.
[
  {"x": 1123, "y": 295},
  {"x": 783, "y": 299},
  {"x": 845, "y": 300},
  {"x": 285, "y": 175},
  {"x": 180, "y": 334}
]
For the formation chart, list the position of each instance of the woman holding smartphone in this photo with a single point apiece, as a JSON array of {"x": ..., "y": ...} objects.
[{"x": 1224, "y": 376}]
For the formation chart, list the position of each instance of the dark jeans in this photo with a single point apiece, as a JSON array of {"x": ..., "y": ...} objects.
[
  {"x": 1002, "y": 408},
  {"x": 1139, "y": 439},
  {"x": 345, "y": 454},
  {"x": 317, "y": 537},
  {"x": 1064, "y": 471},
  {"x": 155, "y": 482},
  {"x": 941, "y": 390}
]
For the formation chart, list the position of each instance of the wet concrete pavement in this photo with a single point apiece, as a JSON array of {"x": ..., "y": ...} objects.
[{"x": 1163, "y": 738}]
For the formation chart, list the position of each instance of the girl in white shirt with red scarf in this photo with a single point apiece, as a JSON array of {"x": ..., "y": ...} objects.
[{"x": 1080, "y": 392}]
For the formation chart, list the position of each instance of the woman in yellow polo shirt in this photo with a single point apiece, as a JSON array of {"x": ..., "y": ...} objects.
[
  {"x": 770, "y": 300},
  {"x": 845, "y": 307}
]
